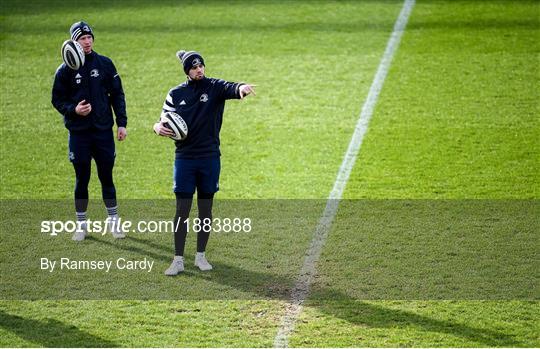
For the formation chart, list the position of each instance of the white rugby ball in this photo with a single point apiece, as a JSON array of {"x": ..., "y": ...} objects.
[
  {"x": 72, "y": 54},
  {"x": 175, "y": 123}
]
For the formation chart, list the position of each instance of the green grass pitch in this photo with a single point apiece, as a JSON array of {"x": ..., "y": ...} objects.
[{"x": 436, "y": 244}]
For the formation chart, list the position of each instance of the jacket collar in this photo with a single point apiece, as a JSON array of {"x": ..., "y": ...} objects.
[
  {"x": 90, "y": 56},
  {"x": 195, "y": 83}
]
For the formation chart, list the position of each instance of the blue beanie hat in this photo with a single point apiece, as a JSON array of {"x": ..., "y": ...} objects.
[
  {"x": 79, "y": 29},
  {"x": 189, "y": 59}
]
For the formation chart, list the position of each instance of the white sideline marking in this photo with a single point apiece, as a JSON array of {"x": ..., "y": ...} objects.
[{"x": 308, "y": 271}]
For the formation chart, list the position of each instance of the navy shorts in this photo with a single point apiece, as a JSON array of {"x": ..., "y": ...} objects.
[
  {"x": 202, "y": 174},
  {"x": 96, "y": 144}
]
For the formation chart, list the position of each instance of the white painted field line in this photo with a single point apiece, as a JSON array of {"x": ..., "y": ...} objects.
[{"x": 307, "y": 273}]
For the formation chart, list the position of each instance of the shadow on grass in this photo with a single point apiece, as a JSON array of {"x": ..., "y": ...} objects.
[
  {"x": 255, "y": 284},
  {"x": 294, "y": 27},
  {"x": 356, "y": 311},
  {"x": 337, "y": 304},
  {"x": 376, "y": 316},
  {"x": 14, "y": 7},
  {"x": 50, "y": 333}
]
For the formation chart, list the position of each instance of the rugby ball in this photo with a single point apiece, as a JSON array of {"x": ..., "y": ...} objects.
[
  {"x": 72, "y": 54},
  {"x": 175, "y": 123}
]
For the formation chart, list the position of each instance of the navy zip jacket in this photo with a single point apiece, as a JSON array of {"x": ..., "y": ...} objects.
[
  {"x": 98, "y": 83},
  {"x": 201, "y": 103}
]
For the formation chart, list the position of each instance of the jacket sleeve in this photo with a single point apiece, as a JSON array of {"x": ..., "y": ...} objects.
[
  {"x": 61, "y": 94},
  {"x": 117, "y": 97},
  {"x": 168, "y": 105},
  {"x": 229, "y": 90}
]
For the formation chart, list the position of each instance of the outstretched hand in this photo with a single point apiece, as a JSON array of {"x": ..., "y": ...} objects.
[{"x": 246, "y": 90}]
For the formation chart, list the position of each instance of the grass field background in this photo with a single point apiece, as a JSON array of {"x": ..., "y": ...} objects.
[{"x": 457, "y": 119}]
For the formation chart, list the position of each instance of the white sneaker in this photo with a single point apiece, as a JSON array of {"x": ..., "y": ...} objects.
[
  {"x": 177, "y": 266},
  {"x": 80, "y": 232},
  {"x": 201, "y": 262},
  {"x": 114, "y": 227}
]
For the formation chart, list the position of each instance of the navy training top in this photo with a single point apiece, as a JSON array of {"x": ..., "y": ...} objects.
[{"x": 200, "y": 103}]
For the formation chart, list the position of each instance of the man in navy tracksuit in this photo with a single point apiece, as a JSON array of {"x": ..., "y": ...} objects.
[
  {"x": 200, "y": 101},
  {"x": 85, "y": 97}
]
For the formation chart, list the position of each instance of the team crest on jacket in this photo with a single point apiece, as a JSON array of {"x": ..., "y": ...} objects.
[
  {"x": 204, "y": 97},
  {"x": 94, "y": 73}
]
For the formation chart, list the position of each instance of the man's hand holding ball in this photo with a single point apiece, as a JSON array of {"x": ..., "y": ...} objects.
[{"x": 83, "y": 108}]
